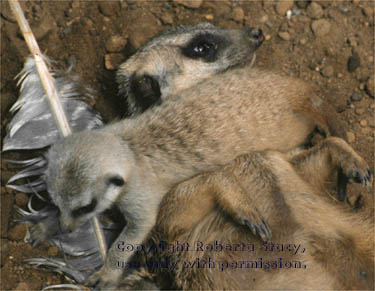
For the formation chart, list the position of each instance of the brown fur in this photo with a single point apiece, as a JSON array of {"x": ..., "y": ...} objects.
[
  {"x": 339, "y": 245},
  {"x": 238, "y": 111}
]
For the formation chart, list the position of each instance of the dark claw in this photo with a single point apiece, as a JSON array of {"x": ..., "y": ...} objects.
[
  {"x": 268, "y": 228},
  {"x": 252, "y": 227},
  {"x": 263, "y": 231},
  {"x": 357, "y": 176}
]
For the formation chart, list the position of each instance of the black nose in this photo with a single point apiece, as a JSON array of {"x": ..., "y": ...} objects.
[{"x": 256, "y": 34}]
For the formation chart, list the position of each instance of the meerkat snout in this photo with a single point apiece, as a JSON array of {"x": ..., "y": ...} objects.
[
  {"x": 86, "y": 174},
  {"x": 179, "y": 59}
]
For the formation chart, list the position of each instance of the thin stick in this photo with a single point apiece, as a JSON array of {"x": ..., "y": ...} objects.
[{"x": 52, "y": 96}]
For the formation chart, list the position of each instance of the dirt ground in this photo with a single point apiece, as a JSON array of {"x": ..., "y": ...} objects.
[{"x": 328, "y": 43}]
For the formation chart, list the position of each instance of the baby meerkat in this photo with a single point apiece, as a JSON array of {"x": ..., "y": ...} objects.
[
  {"x": 180, "y": 58},
  {"x": 315, "y": 244},
  {"x": 134, "y": 162}
]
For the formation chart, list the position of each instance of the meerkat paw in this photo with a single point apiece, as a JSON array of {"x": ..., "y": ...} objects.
[
  {"x": 244, "y": 212},
  {"x": 352, "y": 167},
  {"x": 104, "y": 279}
]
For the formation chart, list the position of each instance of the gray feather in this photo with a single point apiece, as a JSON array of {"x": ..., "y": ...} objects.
[{"x": 33, "y": 126}]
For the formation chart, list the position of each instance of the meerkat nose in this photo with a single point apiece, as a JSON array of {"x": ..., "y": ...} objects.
[{"x": 256, "y": 34}]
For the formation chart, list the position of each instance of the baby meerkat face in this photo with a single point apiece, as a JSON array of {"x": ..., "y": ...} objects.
[
  {"x": 180, "y": 58},
  {"x": 85, "y": 175}
]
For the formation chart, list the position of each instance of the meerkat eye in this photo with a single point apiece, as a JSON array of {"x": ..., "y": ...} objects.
[
  {"x": 85, "y": 209},
  {"x": 204, "y": 46},
  {"x": 116, "y": 181}
]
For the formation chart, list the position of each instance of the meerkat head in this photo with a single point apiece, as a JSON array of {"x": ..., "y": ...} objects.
[
  {"x": 86, "y": 173},
  {"x": 180, "y": 58}
]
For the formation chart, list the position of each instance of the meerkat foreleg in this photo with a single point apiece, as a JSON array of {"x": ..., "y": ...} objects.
[
  {"x": 139, "y": 224},
  {"x": 237, "y": 202},
  {"x": 317, "y": 165}
]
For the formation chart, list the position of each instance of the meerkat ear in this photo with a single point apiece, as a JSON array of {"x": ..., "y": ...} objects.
[{"x": 145, "y": 90}]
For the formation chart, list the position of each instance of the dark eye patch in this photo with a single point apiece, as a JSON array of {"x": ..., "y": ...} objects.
[
  {"x": 145, "y": 90},
  {"x": 85, "y": 209},
  {"x": 204, "y": 46},
  {"x": 116, "y": 181}
]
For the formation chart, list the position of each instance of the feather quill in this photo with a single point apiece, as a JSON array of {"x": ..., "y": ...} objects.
[{"x": 33, "y": 127}]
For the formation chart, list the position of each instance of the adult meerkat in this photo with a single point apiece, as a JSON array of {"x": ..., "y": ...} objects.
[
  {"x": 134, "y": 162},
  {"x": 315, "y": 244},
  {"x": 180, "y": 58}
]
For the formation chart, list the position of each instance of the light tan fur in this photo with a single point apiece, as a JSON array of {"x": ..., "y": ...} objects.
[
  {"x": 170, "y": 143},
  {"x": 339, "y": 245}
]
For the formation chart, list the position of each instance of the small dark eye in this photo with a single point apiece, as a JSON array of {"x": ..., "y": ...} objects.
[
  {"x": 85, "y": 209},
  {"x": 203, "y": 49},
  {"x": 116, "y": 181}
]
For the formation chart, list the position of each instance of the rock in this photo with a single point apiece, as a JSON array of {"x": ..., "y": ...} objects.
[
  {"x": 327, "y": 71},
  {"x": 363, "y": 123},
  {"x": 21, "y": 199},
  {"x": 264, "y": 19},
  {"x": 111, "y": 61},
  {"x": 283, "y": 6},
  {"x": 115, "y": 44},
  {"x": 352, "y": 41},
  {"x": 356, "y": 96},
  {"x": 109, "y": 8},
  {"x": 314, "y": 11},
  {"x": 367, "y": 11},
  {"x": 22, "y": 286},
  {"x": 350, "y": 136},
  {"x": 238, "y": 14},
  {"x": 320, "y": 27},
  {"x": 189, "y": 3},
  {"x": 302, "y": 3},
  {"x": 370, "y": 87},
  {"x": 140, "y": 33},
  {"x": 359, "y": 111},
  {"x": 353, "y": 62},
  {"x": 284, "y": 35},
  {"x": 167, "y": 18},
  {"x": 18, "y": 232}
]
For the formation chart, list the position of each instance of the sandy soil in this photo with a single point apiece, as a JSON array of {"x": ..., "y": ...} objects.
[{"x": 328, "y": 43}]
